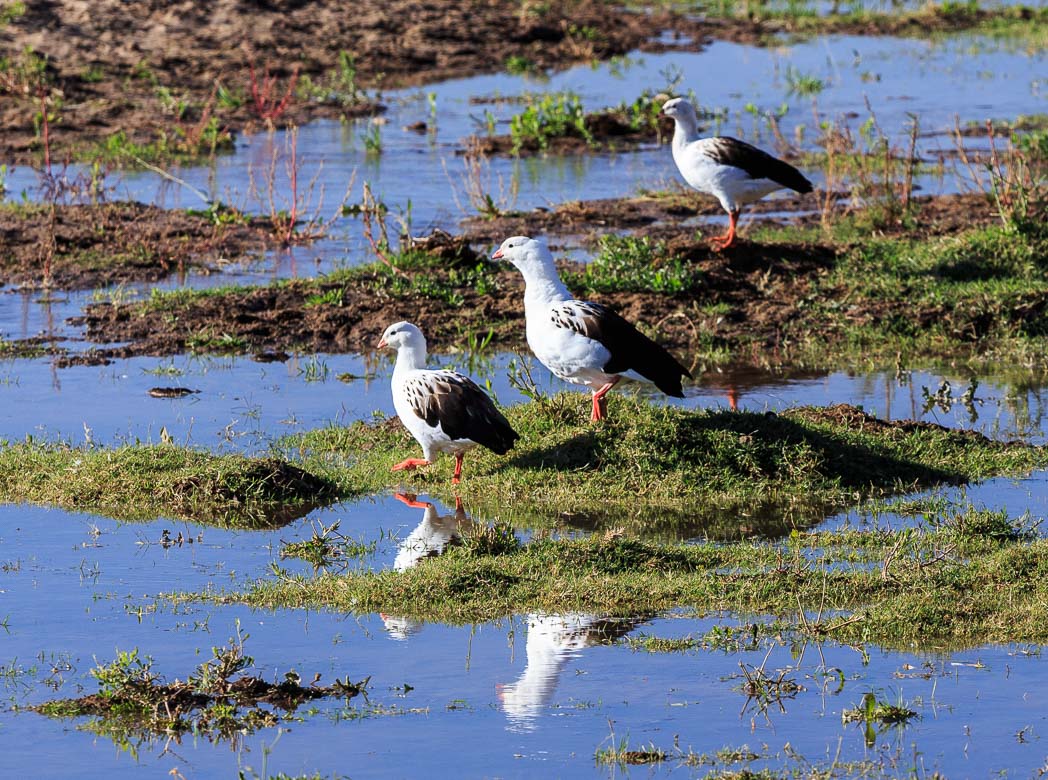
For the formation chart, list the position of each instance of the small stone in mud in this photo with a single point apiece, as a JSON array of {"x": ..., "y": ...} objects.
[
  {"x": 271, "y": 356},
  {"x": 171, "y": 392}
]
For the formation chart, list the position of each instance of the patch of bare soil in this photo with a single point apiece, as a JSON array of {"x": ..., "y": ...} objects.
[
  {"x": 609, "y": 131},
  {"x": 268, "y": 319},
  {"x": 749, "y": 295},
  {"x": 660, "y": 216},
  {"x": 167, "y": 68},
  {"x": 922, "y": 23},
  {"x": 98, "y": 245}
]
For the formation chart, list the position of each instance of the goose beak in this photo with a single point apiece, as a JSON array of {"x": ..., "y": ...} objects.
[
  {"x": 497, "y": 255},
  {"x": 381, "y": 344}
]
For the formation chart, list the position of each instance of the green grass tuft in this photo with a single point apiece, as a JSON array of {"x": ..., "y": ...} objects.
[{"x": 142, "y": 482}]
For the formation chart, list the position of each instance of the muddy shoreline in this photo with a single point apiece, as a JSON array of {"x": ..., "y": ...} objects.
[
  {"x": 108, "y": 244},
  {"x": 182, "y": 79}
]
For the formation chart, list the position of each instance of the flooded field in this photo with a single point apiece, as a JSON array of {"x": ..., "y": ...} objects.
[{"x": 826, "y": 560}]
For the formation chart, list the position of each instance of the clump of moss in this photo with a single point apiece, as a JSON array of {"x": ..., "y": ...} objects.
[
  {"x": 687, "y": 472},
  {"x": 924, "y": 587},
  {"x": 140, "y": 482},
  {"x": 216, "y": 701}
]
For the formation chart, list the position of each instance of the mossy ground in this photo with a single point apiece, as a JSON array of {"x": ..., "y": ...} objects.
[
  {"x": 142, "y": 482},
  {"x": 949, "y": 584},
  {"x": 802, "y": 295},
  {"x": 652, "y": 468},
  {"x": 663, "y": 468}
]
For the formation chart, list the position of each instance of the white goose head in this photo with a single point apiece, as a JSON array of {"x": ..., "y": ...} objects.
[
  {"x": 523, "y": 252},
  {"x": 403, "y": 334},
  {"x": 679, "y": 108}
]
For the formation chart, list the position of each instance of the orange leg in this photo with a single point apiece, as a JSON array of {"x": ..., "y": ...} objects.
[
  {"x": 411, "y": 500},
  {"x": 458, "y": 504},
  {"x": 722, "y": 242},
  {"x": 600, "y": 406},
  {"x": 457, "y": 476},
  {"x": 410, "y": 464},
  {"x": 733, "y": 398}
]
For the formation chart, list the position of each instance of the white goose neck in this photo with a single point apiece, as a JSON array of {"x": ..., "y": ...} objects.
[
  {"x": 685, "y": 130},
  {"x": 542, "y": 284},
  {"x": 409, "y": 358}
]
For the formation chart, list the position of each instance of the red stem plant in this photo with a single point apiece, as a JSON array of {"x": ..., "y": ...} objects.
[{"x": 264, "y": 90}]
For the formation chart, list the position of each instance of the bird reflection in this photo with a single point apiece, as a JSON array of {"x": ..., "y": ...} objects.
[
  {"x": 553, "y": 641},
  {"x": 433, "y": 534},
  {"x": 430, "y": 537}
]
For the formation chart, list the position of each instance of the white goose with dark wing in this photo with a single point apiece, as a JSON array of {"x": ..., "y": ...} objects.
[
  {"x": 580, "y": 341},
  {"x": 444, "y": 410},
  {"x": 733, "y": 171}
]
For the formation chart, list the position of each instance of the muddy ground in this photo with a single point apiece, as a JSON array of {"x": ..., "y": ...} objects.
[
  {"x": 168, "y": 69},
  {"x": 661, "y": 216},
  {"x": 108, "y": 244},
  {"x": 111, "y": 68},
  {"x": 755, "y": 294},
  {"x": 610, "y": 131}
]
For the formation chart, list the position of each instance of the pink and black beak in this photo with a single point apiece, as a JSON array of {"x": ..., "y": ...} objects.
[
  {"x": 497, "y": 255},
  {"x": 381, "y": 344}
]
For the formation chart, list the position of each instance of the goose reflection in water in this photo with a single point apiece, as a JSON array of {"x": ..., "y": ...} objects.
[
  {"x": 553, "y": 641},
  {"x": 430, "y": 537}
]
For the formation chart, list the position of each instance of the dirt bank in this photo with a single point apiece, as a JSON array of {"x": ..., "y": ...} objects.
[
  {"x": 169, "y": 68},
  {"x": 106, "y": 244}
]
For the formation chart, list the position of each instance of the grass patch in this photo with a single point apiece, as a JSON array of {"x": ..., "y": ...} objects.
[
  {"x": 216, "y": 701},
  {"x": 805, "y": 19},
  {"x": 981, "y": 293},
  {"x": 632, "y": 264},
  {"x": 143, "y": 482},
  {"x": 930, "y": 590},
  {"x": 683, "y": 472},
  {"x": 662, "y": 470},
  {"x": 810, "y": 297}
]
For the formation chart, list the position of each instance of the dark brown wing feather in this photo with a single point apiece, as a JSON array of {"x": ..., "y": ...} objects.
[
  {"x": 630, "y": 349},
  {"x": 461, "y": 408},
  {"x": 756, "y": 162}
]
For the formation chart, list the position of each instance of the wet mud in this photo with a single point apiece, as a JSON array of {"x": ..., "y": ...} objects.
[{"x": 108, "y": 244}]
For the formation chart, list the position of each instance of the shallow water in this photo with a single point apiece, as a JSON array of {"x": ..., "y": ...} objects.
[
  {"x": 535, "y": 693},
  {"x": 242, "y": 405},
  {"x": 423, "y": 181}
]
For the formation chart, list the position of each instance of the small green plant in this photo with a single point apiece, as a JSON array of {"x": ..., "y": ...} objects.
[
  {"x": 208, "y": 340},
  {"x": 316, "y": 370},
  {"x": 229, "y": 98},
  {"x": 9, "y": 12},
  {"x": 125, "y": 676},
  {"x": 327, "y": 547},
  {"x": 552, "y": 116},
  {"x": 619, "y": 753},
  {"x": 333, "y": 297},
  {"x": 802, "y": 84},
  {"x": 518, "y": 65},
  {"x": 657, "y": 644},
  {"x": 338, "y": 86},
  {"x": 632, "y": 264},
  {"x": 93, "y": 74},
  {"x": 372, "y": 139},
  {"x": 876, "y": 713}
]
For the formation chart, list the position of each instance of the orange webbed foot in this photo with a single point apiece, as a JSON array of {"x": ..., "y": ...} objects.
[{"x": 410, "y": 464}]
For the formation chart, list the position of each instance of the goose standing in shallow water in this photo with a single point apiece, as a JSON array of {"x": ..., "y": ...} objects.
[
  {"x": 582, "y": 342},
  {"x": 733, "y": 171},
  {"x": 444, "y": 410}
]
